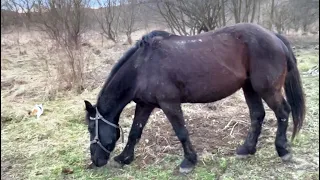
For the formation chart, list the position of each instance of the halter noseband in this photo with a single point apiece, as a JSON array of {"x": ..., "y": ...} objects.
[{"x": 96, "y": 139}]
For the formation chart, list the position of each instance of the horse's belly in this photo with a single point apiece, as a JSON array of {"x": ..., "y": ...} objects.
[{"x": 214, "y": 89}]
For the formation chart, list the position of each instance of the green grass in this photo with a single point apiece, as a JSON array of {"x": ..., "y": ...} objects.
[
  {"x": 307, "y": 59},
  {"x": 41, "y": 149}
]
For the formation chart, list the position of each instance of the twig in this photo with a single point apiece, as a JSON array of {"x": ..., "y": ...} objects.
[
  {"x": 233, "y": 128},
  {"x": 227, "y": 125}
]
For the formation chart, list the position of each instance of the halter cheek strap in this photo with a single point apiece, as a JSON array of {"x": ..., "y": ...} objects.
[{"x": 96, "y": 139}]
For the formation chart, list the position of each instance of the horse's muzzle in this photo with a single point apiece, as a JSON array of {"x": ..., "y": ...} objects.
[{"x": 99, "y": 162}]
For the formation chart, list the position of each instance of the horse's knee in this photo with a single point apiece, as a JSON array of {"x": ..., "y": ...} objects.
[
  {"x": 134, "y": 135},
  {"x": 279, "y": 143},
  {"x": 287, "y": 107},
  {"x": 256, "y": 121},
  {"x": 258, "y": 114},
  {"x": 182, "y": 135}
]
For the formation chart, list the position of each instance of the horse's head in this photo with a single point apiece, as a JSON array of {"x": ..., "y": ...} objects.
[{"x": 103, "y": 135}]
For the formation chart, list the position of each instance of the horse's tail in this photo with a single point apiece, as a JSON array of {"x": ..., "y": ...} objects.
[
  {"x": 293, "y": 89},
  {"x": 286, "y": 42}
]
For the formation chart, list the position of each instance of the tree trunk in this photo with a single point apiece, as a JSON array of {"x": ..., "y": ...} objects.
[
  {"x": 245, "y": 17},
  {"x": 223, "y": 13},
  {"x": 219, "y": 19},
  {"x": 271, "y": 15},
  {"x": 305, "y": 27},
  {"x": 253, "y": 10},
  {"x": 239, "y": 11},
  {"x": 129, "y": 38},
  {"x": 236, "y": 10},
  {"x": 259, "y": 10}
]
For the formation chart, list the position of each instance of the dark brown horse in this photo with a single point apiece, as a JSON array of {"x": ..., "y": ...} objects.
[{"x": 164, "y": 70}]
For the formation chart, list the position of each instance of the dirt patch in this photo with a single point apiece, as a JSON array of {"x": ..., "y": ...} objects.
[
  {"x": 206, "y": 134},
  {"x": 214, "y": 128}
]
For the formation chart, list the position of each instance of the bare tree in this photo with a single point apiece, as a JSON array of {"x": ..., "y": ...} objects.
[
  {"x": 259, "y": 11},
  {"x": 64, "y": 21},
  {"x": 26, "y": 7},
  {"x": 236, "y": 9},
  {"x": 223, "y": 14},
  {"x": 281, "y": 16},
  {"x": 245, "y": 17},
  {"x": 305, "y": 12},
  {"x": 10, "y": 14},
  {"x": 128, "y": 17},
  {"x": 4, "y": 16},
  {"x": 14, "y": 16},
  {"x": 242, "y": 10},
  {"x": 108, "y": 18},
  {"x": 254, "y": 7},
  {"x": 22, "y": 9},
  {"x": 190, "y": 17},
  {"x": 170, "y": 13},
  {"x": 271, "y": 14}
]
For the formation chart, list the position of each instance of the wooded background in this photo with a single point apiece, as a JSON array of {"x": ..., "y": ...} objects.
[{"x": 66, "y": 21}]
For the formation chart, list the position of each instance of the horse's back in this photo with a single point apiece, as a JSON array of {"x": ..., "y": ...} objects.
[
  {"x": 196, "y": 67},
  {"x": 212, "y": 65}
]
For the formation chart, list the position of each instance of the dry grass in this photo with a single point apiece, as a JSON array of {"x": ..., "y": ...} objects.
[{"x": 41, "y": 149}]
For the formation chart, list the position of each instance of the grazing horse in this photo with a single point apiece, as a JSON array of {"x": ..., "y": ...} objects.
[{"x": 163, "y": 70}]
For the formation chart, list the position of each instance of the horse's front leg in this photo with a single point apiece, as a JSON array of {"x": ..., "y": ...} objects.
[
  {"x": 174, "y": 114},
  {"x": 141, "y": 117}
]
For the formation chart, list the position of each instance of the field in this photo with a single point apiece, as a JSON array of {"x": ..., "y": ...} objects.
[{"x": 56, "y": 145}]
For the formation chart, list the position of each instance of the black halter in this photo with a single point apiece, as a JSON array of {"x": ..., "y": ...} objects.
[{"x": 96, "y": 138}]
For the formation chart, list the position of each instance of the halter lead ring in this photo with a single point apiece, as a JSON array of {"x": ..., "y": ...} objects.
[{"x": 96, "y": 139}]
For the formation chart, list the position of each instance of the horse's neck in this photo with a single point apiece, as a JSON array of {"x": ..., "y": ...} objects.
[{"x": 117, "y": 94}]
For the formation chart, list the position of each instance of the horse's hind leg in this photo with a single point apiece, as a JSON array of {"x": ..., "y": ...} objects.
[
  {"x": 174, "y": 114},
  {"x": 281, "y": 108},
  {"x": 257, "y": 114}
]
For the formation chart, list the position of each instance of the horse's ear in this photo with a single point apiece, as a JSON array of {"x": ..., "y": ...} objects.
[{"x": 89, "y": 106}]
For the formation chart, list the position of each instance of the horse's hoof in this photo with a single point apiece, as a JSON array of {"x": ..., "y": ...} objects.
[
  {"x": 115, "y": 164},
  {"x": 242, "y": 156},
  {"x": 244, "y": 152},
  {"x": 186, "y": 166},
  {"x": 124, "y": 160},
  {"x": 286, "y": 157},
  {"x": 185, "y": 170}
]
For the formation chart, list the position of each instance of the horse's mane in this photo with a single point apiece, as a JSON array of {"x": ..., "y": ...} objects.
[
  {"x": 147, "y": 39},
  {"x": 144, "y": 41}
]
